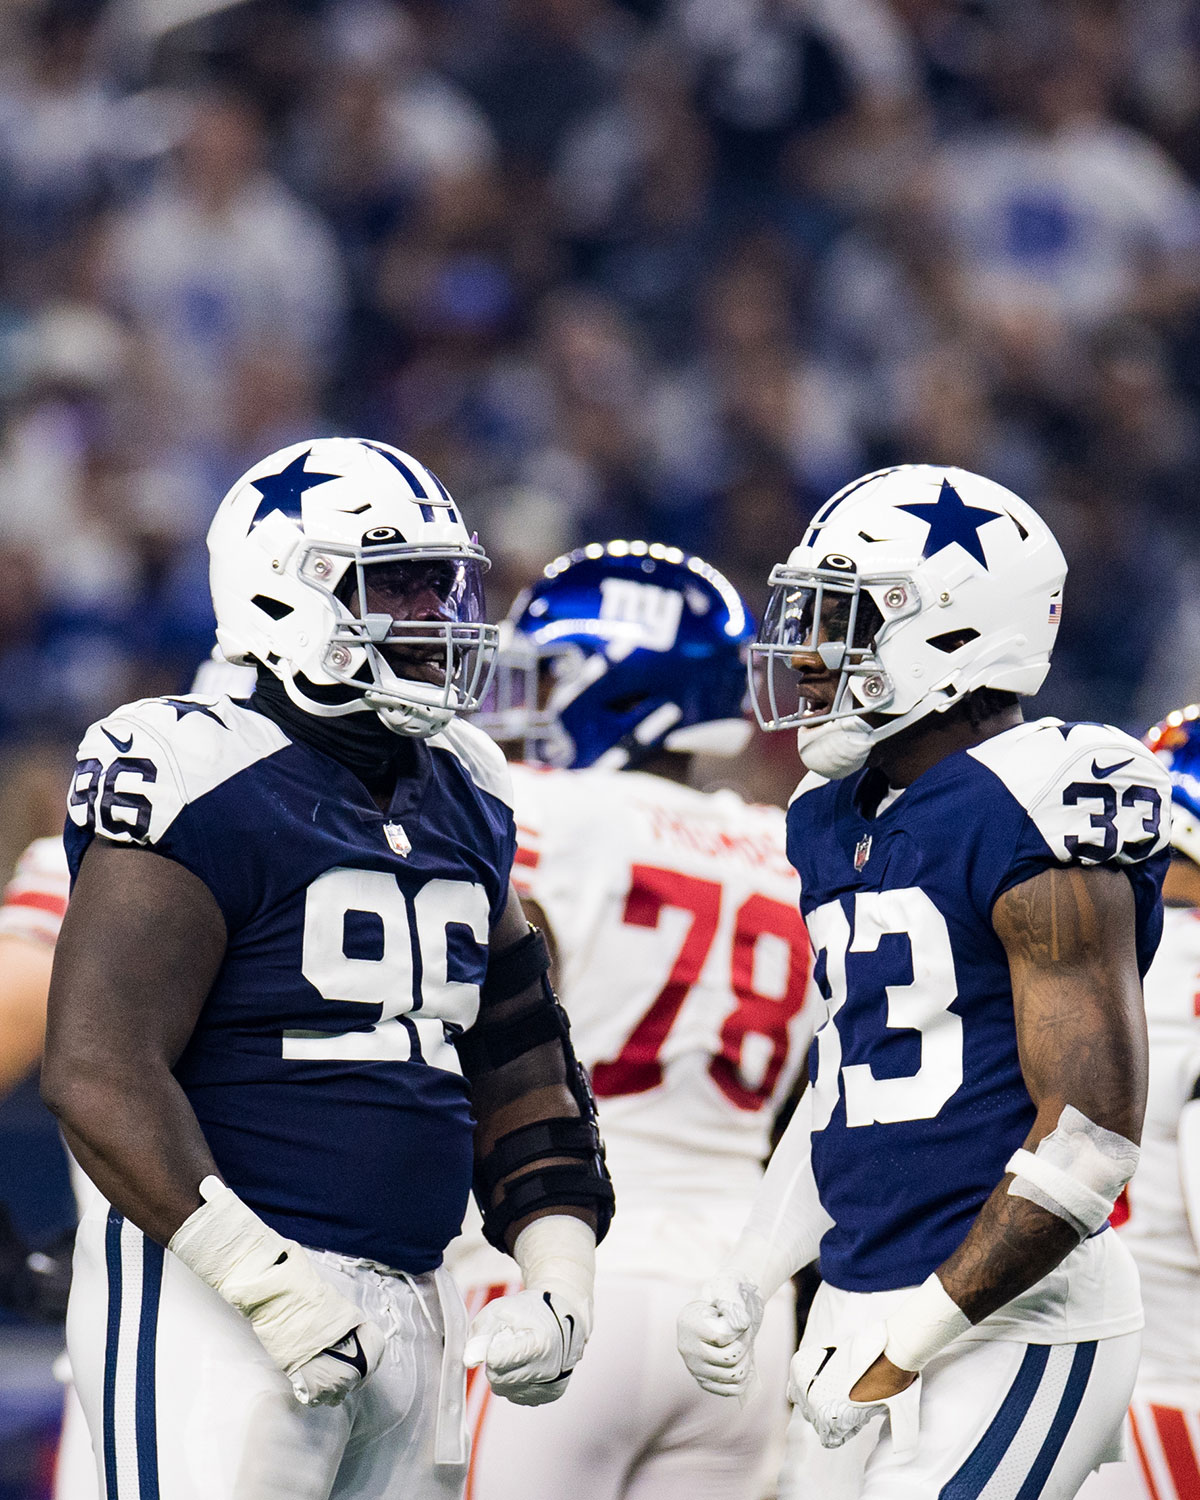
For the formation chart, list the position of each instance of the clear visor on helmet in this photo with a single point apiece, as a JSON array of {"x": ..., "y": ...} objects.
[
  {"x": 410, "y": 630},
  {"x": 814, "y": 658}
]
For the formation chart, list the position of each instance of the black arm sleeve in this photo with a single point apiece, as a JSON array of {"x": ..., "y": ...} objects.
[{"x": 537, "y": 1146}]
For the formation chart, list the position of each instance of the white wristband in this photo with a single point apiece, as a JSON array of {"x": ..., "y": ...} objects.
[{"x": 923, "y": 1325}]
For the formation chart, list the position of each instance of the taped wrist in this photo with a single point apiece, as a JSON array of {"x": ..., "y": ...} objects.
[
  {"x": 270, "y": 1280},
  {"x": 557, "y": 1254},
  {"x": 923, "y": 1325},
  {"x": 1077, "y": 1172}
]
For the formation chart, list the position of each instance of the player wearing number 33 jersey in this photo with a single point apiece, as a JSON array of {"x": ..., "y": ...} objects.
[
  {"x": 280, "y": 909},
  {"x": 982, "y": 897},
  {"x": 683, "y": 963}
]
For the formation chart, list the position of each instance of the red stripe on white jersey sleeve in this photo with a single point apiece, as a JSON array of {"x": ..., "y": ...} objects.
[{"x": 35, "y": 899}]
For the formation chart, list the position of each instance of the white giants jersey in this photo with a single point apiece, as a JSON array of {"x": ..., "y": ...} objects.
[
  {"x": 1158, "y": 1231},
  {"x": 683, "y": 966},
  {"x": 35, "y": 899}
]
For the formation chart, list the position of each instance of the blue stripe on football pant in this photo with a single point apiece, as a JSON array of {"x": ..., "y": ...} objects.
[
  {"x": 981, "y": 1463},
  {"x": 112, "y": 1257},
  {"x": 1068, "y": 1407},
  {"x": 145, "y": 1413}
]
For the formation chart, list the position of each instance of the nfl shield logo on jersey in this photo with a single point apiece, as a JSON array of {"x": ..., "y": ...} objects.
[
  {"x": 862, "y": 852},
  {"x": 398, "y": 841}
]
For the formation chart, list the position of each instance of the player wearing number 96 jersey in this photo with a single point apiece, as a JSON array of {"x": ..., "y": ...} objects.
[
  {"x": 683, "y": 963},
  {"x": 280, "y": 907},
  {"x": 983, "y": 896}
]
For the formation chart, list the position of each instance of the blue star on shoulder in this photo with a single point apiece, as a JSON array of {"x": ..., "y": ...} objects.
[
  {"x": 182, "y": 707},
  {"x": 282, "y": 491},
  {"x": 951, "y": 521}
]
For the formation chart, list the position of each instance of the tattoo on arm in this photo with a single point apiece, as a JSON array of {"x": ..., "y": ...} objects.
[{"x": 1069, "y": 937}]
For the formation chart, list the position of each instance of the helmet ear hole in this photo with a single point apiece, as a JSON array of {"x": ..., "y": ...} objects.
[
  {"x": 276, "y": 608},
  {"x": 951, "y": 640}
]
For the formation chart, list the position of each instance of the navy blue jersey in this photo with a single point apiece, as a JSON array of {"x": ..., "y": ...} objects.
[
  {"x": 918, "y": 1096},
  {"x": 350, "y": 933}
]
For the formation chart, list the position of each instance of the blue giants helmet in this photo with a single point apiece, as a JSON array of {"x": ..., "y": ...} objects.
[
  {"x": 619, "y": 651},
  {"x": 1176, "y": 742}
]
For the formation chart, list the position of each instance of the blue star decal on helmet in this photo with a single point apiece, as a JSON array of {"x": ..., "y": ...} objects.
[
  {"x": 182, "y": 707},
  {"x": 951, "y": 521},
  {"x": 282, "y": 491}
]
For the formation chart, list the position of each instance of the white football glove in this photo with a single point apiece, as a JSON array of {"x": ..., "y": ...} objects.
[
  {"x": 321, "y": 1340},
  {"x": 820, "y": 1381},
  {"x": 716, "y": 1334},
  {"x": 528, "y": 1342}
]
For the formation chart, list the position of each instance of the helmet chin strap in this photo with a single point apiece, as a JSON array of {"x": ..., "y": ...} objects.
[
  {"x": 840, "y": 746},
  {"x": 836, "y": 748}
]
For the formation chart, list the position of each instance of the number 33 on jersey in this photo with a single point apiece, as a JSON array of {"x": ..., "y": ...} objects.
[
  {"x": 918, "y": 1097},
  {"x": 352, "y": 935}
]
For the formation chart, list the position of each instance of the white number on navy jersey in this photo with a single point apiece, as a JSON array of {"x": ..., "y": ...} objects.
[
  {"x": 922, "y": 1006},
  {"x": 362, "y": 981}
]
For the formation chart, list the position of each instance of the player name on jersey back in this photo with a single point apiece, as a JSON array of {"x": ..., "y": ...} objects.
[
  {"x": 684, "y": 966},
  {"x": 350, "y": 931},
  {"x": 919, "y": 1099}
]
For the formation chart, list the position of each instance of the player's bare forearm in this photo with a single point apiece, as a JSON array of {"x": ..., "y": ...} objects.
[
  {"x": 141, "y": 944},
  {"x": 1011, "y": 1245},
  {"x": 1069, "y": 937},
  {"x": 24, "y": 981}
]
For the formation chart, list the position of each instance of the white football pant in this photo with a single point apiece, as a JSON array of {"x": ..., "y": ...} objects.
[
  {"x": 1162, "y": 1446},
  {"x": 183, "y": 1403},
  {"x": 74, "y": 1463},
  {"x": 1000, "y": 1420},
  {"x": 633, "y": 1424}
]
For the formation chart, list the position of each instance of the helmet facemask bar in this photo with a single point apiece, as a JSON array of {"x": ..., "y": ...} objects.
[
  {"x": 828, "y": 614},
  {"x": 415, "y": 673},
  {"x": 518, "y": 706}
]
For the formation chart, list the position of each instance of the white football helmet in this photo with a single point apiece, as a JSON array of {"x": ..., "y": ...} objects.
[
  {"x": 344, "y": 567},
  {"x": 913, "y": 586}
]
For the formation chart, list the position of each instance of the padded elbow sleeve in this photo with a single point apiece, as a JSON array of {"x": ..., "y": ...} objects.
[{"x": 547, "y": 1163}]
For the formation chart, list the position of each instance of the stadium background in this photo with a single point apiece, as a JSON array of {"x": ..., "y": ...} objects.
[{"x": 672, "y": 268}]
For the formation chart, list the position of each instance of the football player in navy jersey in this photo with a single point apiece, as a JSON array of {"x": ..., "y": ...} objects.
[
  {"x": 983, "y": 896},
  {"x": 277, "y": 907}
]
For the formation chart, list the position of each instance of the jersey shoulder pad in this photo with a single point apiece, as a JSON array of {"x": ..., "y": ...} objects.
[
  {"x": 479, "y": 754},
  {"x": 1095, "y": 794},
  {"x": 809, "y": 782},
  {"x": 138, "y": 768}
]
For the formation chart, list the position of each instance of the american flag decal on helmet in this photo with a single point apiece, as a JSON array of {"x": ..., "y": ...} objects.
[{"x": 1055, "y": 611}]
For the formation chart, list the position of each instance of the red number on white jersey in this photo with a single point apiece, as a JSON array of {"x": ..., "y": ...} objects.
[{"x": 637, "y": 1068}]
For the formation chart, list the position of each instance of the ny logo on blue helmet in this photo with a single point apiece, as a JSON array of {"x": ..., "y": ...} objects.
[{"x": 619, "y": 651}]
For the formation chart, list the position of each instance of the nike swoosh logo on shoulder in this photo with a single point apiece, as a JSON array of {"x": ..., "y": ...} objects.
[
  {"x": 1100, "y": 772},
  {"x": 124, "y": 746}
]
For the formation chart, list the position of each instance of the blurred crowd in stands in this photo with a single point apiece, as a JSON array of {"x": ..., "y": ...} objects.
[{"x": 674, "y": 268}]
